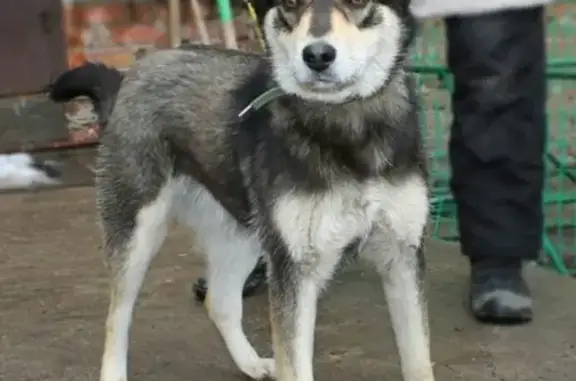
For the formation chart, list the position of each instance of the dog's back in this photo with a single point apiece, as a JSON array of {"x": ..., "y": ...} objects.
[
  {"x": 174, "y": 112},
  {"x": 195, "y": 90}
]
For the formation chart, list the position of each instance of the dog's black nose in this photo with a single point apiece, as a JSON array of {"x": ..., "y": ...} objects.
[{"x": 319, "y": 56}]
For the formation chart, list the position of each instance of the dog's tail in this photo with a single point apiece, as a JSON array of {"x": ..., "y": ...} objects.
[{"x": 96, "y": 81}]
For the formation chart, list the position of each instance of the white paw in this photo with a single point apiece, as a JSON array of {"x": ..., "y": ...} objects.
[
  {"x": 261, "y": 369},
  {"x": 112, "y": 377},
  {"x": 112, "y": 372}
]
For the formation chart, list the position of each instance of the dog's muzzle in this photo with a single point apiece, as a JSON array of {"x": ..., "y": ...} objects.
[{"x": 319, "y": 56}]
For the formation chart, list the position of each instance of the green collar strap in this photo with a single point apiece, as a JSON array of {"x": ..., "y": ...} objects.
[{"x": 262, "y": 100}]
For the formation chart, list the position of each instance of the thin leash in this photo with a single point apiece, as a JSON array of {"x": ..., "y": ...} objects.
[
  {"x": 255, "y": 24},
  {"x": 270, "y": 94}
]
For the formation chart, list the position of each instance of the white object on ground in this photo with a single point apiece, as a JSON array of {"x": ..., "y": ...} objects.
[{"x": 20, "y": 170}]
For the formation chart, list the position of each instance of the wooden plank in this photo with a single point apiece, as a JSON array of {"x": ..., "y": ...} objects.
[
  {"x": 32, "y": 45},
  {"x": 33, "y": 50},
  {"x": 26, "y": 122}
]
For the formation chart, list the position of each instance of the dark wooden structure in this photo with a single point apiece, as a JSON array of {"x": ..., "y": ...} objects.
[{"x": 33, "y": 50}]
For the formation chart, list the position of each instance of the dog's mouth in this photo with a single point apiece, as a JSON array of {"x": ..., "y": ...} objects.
[{"x": 324, "y": 83}]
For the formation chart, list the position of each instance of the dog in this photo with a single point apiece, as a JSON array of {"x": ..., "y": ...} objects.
[{"x": 297, "y": 157}]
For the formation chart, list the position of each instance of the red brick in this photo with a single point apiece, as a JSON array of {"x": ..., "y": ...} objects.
[
  {"x": 135, "y": 24},
  {"x": 83, "y": 14},
  {"x": 76, "y": 58},
  {"x": 74, "y": 38},
  {"x": 120, "y": 58},
  {"x": 141, "y": 35},
  {"x": 147, "y": 13}
]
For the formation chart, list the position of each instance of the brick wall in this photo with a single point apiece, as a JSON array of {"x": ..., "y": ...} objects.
[{"x": 111, "y": 31}]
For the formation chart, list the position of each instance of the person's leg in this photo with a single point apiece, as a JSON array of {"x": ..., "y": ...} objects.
[{"x": 496, "y": 152}]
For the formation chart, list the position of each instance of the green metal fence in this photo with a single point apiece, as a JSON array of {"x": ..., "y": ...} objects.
[{"x": 560, "y": 189}]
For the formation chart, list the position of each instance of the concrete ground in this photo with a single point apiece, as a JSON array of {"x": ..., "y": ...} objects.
[{"x": 53, "y": 298}]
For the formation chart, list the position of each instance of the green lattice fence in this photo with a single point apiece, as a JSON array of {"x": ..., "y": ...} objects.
[{"x": 560, "y": 193}]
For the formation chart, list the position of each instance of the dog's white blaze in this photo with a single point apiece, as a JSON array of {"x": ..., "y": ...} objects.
[
  {"x": 325, "y": 223},
  {"x": 406, "y": 208},
  {"x": 317, "y": 227},
  {"x": 365, "y": 57}
]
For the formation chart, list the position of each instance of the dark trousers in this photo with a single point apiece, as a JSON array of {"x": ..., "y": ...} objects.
[{"x": 499, "y": 130}]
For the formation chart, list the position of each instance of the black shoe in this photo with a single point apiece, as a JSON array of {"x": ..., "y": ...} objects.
[
  {"x": 256, "y": 278},
  {"x": 498, "y": 292}
]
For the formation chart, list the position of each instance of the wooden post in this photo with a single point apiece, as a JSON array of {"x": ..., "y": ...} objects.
[
  {"x": 227, "y": 20},
  {"x": 174, "y": 24},
  {"x": 198, "y": 13}
]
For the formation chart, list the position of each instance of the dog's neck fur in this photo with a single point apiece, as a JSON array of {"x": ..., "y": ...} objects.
[
  {"x": 392, "y": 101},
  {"x": 358, "y": 137}
]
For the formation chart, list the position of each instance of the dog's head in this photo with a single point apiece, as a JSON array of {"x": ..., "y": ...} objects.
[{"x": 335, "y": 50}]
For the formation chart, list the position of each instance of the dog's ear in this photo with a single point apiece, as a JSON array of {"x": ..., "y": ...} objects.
[
  {"x": 261, "y": 7},
  {"x": 400, "y": 6}
]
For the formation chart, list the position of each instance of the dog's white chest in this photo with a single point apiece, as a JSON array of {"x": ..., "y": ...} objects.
[{"x": 325, "y": 223}]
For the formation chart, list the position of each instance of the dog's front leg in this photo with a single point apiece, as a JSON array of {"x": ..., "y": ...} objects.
[
  {"x": 403, "y": 286},
  {"x": 395, "y": 246},
  {"x": 294, "y": 287}
]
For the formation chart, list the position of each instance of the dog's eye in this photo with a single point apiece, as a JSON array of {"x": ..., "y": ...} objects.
[
  {"x": 358, "y": 3},
  {"x": 290, "y": 4}
]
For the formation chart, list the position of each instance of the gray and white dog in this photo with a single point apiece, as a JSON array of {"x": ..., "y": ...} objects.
[{"x": 294, "y": 157}]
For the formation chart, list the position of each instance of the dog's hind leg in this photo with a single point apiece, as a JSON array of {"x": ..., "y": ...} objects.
[
  {"x": 395, "y": 246},
  {"x": 134, "y": 233},
  {"x": 229, "y": 264},
  {"x": 232, "y": 253}
]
